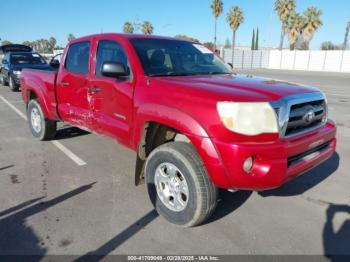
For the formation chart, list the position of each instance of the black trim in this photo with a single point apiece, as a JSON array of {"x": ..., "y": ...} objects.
[{"x": 297, "y": 158}]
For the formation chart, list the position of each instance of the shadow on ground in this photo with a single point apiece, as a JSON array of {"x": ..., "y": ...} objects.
[
  {"x": 228, "y": 203},
  {"x": 119, "y": 239},
  {"x": 306, "y": 181},
  {"x": 6, "y": 167},
  {"x": 70, "y": 132},
  {"x": 337, "y": 242},
  {"x": 16, "y": 237}
]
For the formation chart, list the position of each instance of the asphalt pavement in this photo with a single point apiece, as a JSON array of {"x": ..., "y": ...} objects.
[{"x": 76, "y": 195}]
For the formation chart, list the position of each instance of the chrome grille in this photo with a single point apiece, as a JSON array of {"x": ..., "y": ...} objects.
[
  {"x": 300, "y": 113},
  {"x": 298, "y": 116}
]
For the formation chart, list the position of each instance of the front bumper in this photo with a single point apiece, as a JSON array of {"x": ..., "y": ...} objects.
[{"x": 277, "y": 162}]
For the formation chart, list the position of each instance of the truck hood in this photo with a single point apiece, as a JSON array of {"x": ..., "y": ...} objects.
[{"x": 240, "y": 87}]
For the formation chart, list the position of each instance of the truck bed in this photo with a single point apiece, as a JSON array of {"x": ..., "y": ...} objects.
[{"x": 42, "y": 84}]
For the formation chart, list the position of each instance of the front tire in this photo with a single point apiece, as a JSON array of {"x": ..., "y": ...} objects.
[
  {"x": 12, "y": 84},
  {"x": 41, "y": 128},
  {"x": 178, "y": 184}
]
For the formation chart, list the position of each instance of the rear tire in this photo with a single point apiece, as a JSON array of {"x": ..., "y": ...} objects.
[
  {"x": 41, "y": 128},
  {"x": 12, "y": 84},
  {"x": 178, "y": 184}
]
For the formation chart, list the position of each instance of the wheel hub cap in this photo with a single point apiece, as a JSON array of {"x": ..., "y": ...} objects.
[
  {"x": 35, "y": 120},
  {"x": 172, "y": 188}
]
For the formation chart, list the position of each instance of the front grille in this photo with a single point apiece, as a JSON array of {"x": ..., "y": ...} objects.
[
  {"x": 305, "y": 116},
  {"x": 297, "y": 158}
]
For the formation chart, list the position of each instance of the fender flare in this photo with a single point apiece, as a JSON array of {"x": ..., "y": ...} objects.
[
  {"x": 188, "y": 126},
  {"x": 168, "y": 116},
  {"x": 37, "y": 88}
]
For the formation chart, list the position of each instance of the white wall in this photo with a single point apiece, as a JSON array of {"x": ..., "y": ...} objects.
[
  {"x": 346, "y": 62},
  {"x": 301, "y": 60},
  {"x": 246, "y": 58},
  {"x": 314, "y": 60}
]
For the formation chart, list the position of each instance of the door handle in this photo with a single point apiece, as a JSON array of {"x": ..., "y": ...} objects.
[
  {"x": 95, "y": 89},
  {"x": 64, "y": 84}
]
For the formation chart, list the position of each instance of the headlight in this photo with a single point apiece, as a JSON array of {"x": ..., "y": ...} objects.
[
  {"x": 248, "y": 118},
  {"x": 17, "y": 73}
]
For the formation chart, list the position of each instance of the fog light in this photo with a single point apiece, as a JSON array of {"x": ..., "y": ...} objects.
[{"x": 247, "y": 165}]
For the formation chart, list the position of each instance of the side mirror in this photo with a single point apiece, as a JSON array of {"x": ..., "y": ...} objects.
[
  {"x": 113, "y": 69},
  {"x": 231, "y": 65},
  {"x": 55, "y": 63},
  {"x": 4, "y": 62}
]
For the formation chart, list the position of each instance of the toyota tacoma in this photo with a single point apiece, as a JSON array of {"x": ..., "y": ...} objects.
[{"x": 195, "y": 125}]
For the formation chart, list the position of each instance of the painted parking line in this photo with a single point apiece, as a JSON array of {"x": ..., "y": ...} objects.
[
  {"x": 69, "y": 153},
  {"x": 59, "y": 145},
  {"x": 14, "y": 108}
]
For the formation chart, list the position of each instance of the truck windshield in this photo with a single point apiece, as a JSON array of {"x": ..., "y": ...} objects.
[
  {"x": 26, "y": 58},
  {"x": 163, "y": 57}
]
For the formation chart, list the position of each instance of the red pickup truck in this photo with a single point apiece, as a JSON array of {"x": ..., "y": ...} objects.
[{"x": 196, "y": 126}]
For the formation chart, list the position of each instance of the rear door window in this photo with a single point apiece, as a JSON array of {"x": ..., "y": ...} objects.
[{"x": 77, "y": 60}]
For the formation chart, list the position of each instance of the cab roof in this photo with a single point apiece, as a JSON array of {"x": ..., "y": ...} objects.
[{"x": 128, "y": 36}]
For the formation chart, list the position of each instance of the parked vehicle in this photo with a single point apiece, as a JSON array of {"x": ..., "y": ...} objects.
[
  {"x": 194, "y": 124},
  {"x": 11, "y": 48},
  {"x": 13, "y": 63}
]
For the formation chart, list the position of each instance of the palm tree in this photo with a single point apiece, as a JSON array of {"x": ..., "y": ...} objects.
[
  {"x": 34, "y": 45},
  {"x": 312, "y": 23},
  {"x": 147, "y": 28},
  {"x": 294, "y": 24},
  {"x": 45, "y": 45},
  {"x": 6, "y": 42},
  {"x": 346, "y": 36},
  {"x": 52, "y": 43},
  {"x": 210, "y": 45},
  {"x": 40, "y": 45},
  {"x": 217, "y": 7},
  {"x": 284, "y": 9},
  {"x": 70, "y": 37},
  {"x": 27, "y": 43},
  {"x": 128, "y": 28},
  {"x": 234, "y": 18},
  {"x": 188, "y": 38}
]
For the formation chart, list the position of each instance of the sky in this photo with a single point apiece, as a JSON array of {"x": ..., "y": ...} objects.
[{"x": 34, "y": 19}]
